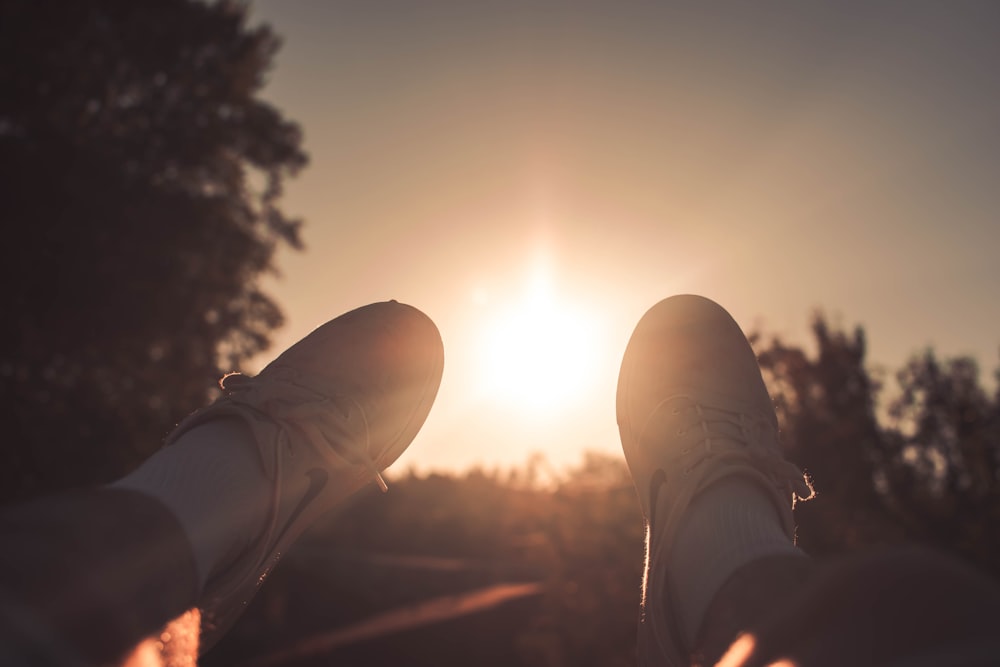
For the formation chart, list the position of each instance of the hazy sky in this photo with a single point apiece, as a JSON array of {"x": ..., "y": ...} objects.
[{"x": 571, "y": 163}]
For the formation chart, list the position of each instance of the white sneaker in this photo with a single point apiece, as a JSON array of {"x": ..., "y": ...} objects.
[
  {"x": 328, "y": 415},
  {"x": 692, "y": 409}
]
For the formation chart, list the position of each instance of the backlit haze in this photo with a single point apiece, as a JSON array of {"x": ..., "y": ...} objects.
[{"x": 535, "y": 175}]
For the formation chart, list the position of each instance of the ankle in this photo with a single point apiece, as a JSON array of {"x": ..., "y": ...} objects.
[
  {"x": 211, "y": 480},
  {"x": 730, "y": 524}
]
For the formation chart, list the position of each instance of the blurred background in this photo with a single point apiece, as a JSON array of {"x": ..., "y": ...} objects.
[{"x": 189, "y": 187}]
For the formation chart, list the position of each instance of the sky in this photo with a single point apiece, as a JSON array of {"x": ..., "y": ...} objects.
[{"x": 535, "y": 175}]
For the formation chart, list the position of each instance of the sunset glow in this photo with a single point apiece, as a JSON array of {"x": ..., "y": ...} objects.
[{"x": 538, "y": 352}]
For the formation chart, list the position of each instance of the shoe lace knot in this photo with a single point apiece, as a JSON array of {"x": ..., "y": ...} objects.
[{"x": 333, "y": 422}]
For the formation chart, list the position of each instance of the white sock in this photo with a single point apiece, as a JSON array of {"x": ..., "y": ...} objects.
[
  {"x": 726, "y": 526},
  {"x": 211, "y": 479}
]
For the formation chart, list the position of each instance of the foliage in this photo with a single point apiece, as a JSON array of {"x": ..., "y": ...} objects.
[
  {"x": 141, "y": 177},
  {"x": 942, "y": 481},
  {"x": 928, "y": 472},
  {"x": 826, "y": 408}
]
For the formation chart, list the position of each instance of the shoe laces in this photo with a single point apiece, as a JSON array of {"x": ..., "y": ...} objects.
[
  {"x": 287, "y": 396},
  {"x": 705, "y": 432}
]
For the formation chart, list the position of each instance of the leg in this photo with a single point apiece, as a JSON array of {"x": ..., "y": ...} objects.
[
  {"x": 85, "y": 575},
  {"x": 205, "y": 519},
  {"x": 904, "y": 606}
]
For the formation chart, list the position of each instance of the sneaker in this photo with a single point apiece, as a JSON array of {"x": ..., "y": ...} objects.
[
  {"x": 692, "y": 409},
  {"x": 328, "y": 415}
]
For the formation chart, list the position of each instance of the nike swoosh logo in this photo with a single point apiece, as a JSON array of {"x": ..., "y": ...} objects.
[{"x": 317, "y": 482}]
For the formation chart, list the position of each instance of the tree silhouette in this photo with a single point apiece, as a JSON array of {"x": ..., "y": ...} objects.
[
  {"x": 944, "y": 484},
  {"x": 826, "y": 407},
  {"x": 141, "y": 178},
  {"x": 928, "y": 471}
]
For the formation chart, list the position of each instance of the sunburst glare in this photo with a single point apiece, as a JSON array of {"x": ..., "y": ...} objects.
[{"x": 538, "y": 352}]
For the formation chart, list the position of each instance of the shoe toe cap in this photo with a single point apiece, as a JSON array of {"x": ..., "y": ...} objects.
[{"x": 688, "y": 344}]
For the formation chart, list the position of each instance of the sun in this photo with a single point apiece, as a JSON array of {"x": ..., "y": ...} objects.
[{"x": 539, "y": 352}]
